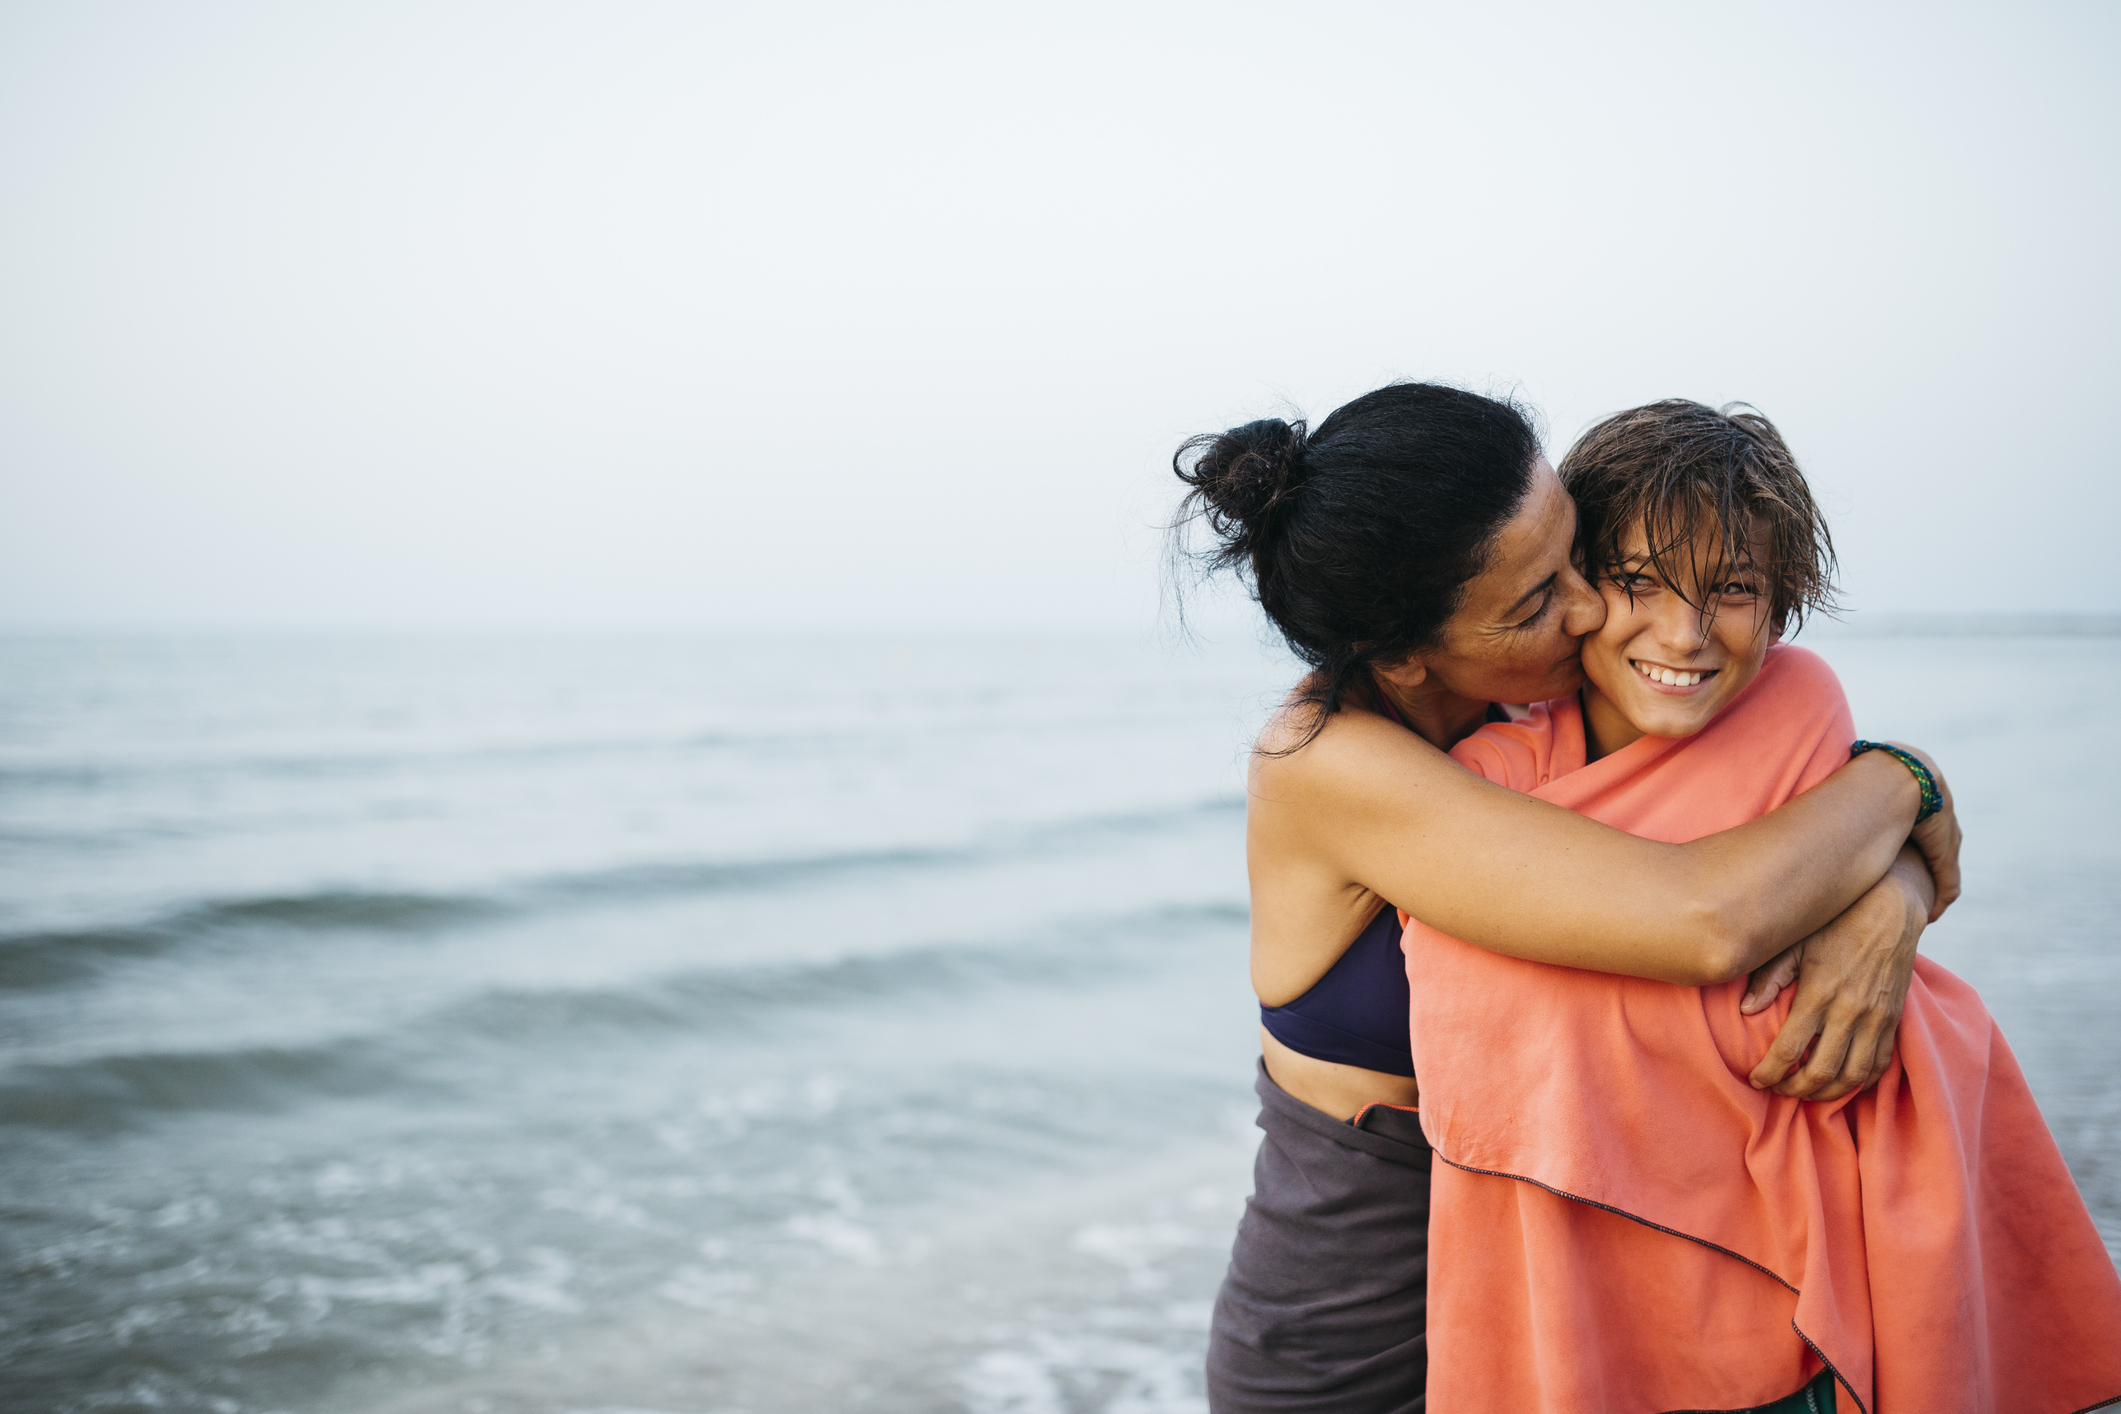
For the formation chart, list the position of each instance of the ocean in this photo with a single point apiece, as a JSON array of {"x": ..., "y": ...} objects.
[{"x": 691, "y": 1025}]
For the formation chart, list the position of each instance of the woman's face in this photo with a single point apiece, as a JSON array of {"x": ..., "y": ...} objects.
[
  {"x": 1661, "y": 666},
  {"x": 1518, "y": 635}
]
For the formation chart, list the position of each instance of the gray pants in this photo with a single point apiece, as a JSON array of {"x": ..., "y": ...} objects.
[{"x": 1325, "y": 1308}]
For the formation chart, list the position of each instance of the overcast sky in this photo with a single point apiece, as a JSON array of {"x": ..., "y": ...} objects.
[{"x": 891, "y": 315}]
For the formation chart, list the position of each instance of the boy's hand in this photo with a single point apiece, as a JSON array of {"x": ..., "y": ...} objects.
[{"x": 1851, "y": 978}]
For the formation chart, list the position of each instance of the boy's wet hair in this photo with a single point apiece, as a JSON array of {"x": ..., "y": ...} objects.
[{"x": 1678, "y": 467}]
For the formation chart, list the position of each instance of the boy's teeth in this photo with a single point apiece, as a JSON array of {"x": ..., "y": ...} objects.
[{"x": 1667, "y": 676}]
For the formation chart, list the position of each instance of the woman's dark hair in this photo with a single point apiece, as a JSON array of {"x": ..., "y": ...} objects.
[
  {"x": 1359, "y": 538},
  {"x": 1676, "y": 468}
]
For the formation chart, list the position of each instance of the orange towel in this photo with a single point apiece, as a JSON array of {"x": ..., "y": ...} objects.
[{"x": 1621, "y": 1222}]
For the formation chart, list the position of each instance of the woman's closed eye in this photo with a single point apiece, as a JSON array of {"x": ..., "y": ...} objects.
[{"x": 1545, "y": 601}]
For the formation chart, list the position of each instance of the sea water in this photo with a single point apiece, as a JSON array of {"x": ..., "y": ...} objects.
[{"x": 693, "y": 1024}]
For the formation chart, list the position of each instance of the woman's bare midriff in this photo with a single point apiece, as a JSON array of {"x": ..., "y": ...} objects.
[{"x": 1339, "y": 1090}]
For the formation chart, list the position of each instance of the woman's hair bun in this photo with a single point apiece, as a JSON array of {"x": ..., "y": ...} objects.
[
  {"x": 1244, "y": 480},
  {"x": 1358, "y": 539}
]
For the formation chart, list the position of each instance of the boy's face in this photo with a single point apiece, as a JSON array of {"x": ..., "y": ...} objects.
[{"x": 1661, "y": 666}]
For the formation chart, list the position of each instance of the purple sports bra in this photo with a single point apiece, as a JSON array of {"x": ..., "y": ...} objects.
[{"x": 1357, "y": 1013}]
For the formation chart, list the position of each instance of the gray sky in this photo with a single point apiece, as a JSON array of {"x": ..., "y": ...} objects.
[{"x": 761, "y": 316}]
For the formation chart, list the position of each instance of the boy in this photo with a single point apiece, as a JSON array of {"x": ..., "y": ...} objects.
[{"x": 1623, "y": 1217}]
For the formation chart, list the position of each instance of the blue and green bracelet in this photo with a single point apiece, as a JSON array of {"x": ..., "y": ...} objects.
[{"x": 1932, "y": 798}]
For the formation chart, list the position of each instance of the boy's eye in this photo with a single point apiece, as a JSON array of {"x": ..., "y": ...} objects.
[
  {"x": 1737, "y": 589},
  {"x": 1631, "y": 582}
]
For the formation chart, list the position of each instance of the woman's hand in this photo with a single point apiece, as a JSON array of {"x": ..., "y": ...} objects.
[
  {"x": 1938, "y": 838},
  {"x": 1852, "y": 978}
]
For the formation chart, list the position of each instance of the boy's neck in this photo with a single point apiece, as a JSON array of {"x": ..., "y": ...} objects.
[{"x": 1605, "y": 730}]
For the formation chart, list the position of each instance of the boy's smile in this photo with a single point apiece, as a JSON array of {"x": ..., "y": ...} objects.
[
  {"x": 1678, "y": 680},
  {"x": 1672, "y": 656}
]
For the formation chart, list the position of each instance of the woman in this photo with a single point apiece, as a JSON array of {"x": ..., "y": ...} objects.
[{"x": 1417, "y": 551}]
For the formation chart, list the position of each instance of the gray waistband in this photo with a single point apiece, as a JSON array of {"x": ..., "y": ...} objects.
[{"x": 1411, "y": 1151}]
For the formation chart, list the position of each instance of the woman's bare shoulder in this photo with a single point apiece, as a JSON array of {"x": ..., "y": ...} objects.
[{"x": 1352, "y": 756}]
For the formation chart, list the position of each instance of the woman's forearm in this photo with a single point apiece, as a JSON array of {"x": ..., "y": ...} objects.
[
  {"x": 1773, "y": 881},
  {"x": 1523, "y": 877}
]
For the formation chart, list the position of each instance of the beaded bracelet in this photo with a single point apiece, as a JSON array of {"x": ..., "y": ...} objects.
[{"x": 1932, "y": 798}]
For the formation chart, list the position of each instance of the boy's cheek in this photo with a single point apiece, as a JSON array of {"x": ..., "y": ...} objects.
[{"x": 1618, "y": 612}]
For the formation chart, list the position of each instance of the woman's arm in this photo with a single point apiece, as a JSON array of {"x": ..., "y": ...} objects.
[
  {"x": 1367, "y": 801},
  {"x": 1938, "y": 838}
]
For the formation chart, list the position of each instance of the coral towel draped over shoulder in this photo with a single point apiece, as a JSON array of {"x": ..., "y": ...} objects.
[{"x": 1621, "y": 1222}]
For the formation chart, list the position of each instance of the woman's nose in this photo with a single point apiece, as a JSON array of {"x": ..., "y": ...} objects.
[{"x": 1583, "y": 608}]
